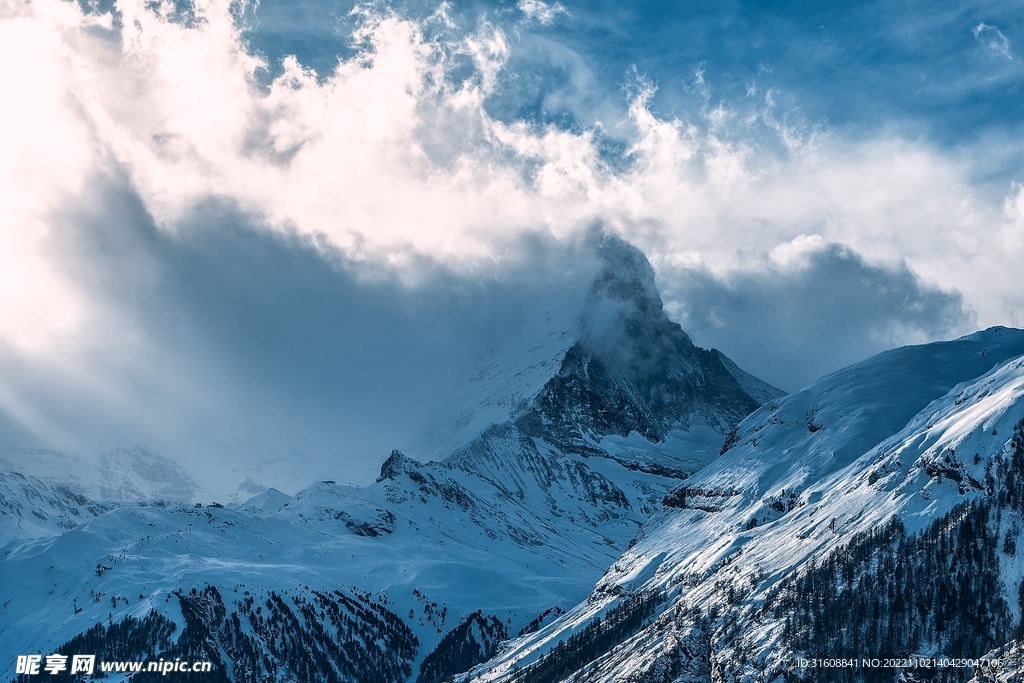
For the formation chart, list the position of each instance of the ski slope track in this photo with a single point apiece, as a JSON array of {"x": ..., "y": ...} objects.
[
  {"x": 875, "y": 513},
  {"x": 566, "y": 443}
]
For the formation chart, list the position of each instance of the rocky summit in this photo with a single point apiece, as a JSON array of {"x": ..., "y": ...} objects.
[{"x": 567, "y": 444}]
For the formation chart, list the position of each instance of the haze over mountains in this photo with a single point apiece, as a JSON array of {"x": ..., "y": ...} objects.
[
  {"x": 874, "y": 513},
  {"x": 609, "y": 502},
  {"x": 535, "y": 498},
  {"x": 316, "y": 361}
]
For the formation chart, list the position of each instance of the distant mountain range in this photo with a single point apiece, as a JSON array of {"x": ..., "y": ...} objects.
[
  {"x": 609, "y": 502},
  {"x": 544, "y": 486},
  {"x": 874, "y": 514},
  {"x": 122, "y": 474}
]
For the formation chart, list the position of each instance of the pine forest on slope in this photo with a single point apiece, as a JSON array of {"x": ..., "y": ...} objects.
[
  {"x": 424, "y": 573},
  {"x": 875, "y": 513}
]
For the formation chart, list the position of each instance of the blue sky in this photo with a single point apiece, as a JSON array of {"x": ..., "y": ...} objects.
[
  {"x": 945, "y": 71},
  {"x": 233, "y": 232}
]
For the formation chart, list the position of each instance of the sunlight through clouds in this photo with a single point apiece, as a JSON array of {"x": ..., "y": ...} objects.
[
  {"x": 393, "y": 153},
  {"x": 157, "y": 127}
]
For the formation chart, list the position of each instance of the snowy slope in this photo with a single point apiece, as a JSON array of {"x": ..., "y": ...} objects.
[
  {"x": 813, "y": 480},
  {"x": 121, "y": 474},
  {"x": 152, "y": 551},
  {"x": 500, "y": 388},
  {"x": 440, "y": 542},
  {"x": 30, "y": 508},
  {"x": 609, "y": 367},
  {"x": 567, "y": 442}
]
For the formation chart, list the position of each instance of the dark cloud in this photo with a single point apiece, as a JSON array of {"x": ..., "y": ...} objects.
[
  {"x": 791, "y": 324},
  {"x": 225, "y": 344},
  {"x": 222, "y": 341}
]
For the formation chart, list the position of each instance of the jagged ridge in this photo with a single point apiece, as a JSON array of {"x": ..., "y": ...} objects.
[{"x": 884, "y": 477}]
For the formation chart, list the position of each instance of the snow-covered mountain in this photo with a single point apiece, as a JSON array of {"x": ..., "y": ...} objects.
[
  {"x": 30, "y": 508},
  {"x": 422, "y": 574},
  {"x": 611, "y": 378},
  {"x": 119, "y": 475},
  {"x": 874, "y": 514}
]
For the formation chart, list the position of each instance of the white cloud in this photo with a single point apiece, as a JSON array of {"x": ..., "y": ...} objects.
[
  {"x": 993, "y": 39},
  {"x": 46, "y": 152},
  {"x": 391, "y": 158},
  {"x": 798, "y": 252},
  {"x": 130, "y": 146},
  {"x": 544, "y": 12}
]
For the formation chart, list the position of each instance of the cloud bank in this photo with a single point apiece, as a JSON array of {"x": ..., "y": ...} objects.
[
  {"x": 813, "y": 306},
  {"x": 238, "y": 263}
]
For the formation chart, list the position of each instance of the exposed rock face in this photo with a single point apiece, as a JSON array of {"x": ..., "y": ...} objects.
[
  {"x": 876, "y": 513},
  {"x": 634, "y": 370},
  {"x": 549, "y": 483},
  {"x": 29, "y": 507},
  {"x": 123, "y": 474},
  {"x": 141, "y": 474}
]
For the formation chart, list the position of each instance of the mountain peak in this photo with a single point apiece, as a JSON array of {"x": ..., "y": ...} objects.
[
  {"x": 396, "y": 465},
  {"x": 139, "y": 474},
  {"x": 634, "y": 370},
  {"x": 625, "y": 276},
  {"x": 624, "y": 306},
  {"x": 997, "y": 334},
  {"x": 911, "y": 459}
]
